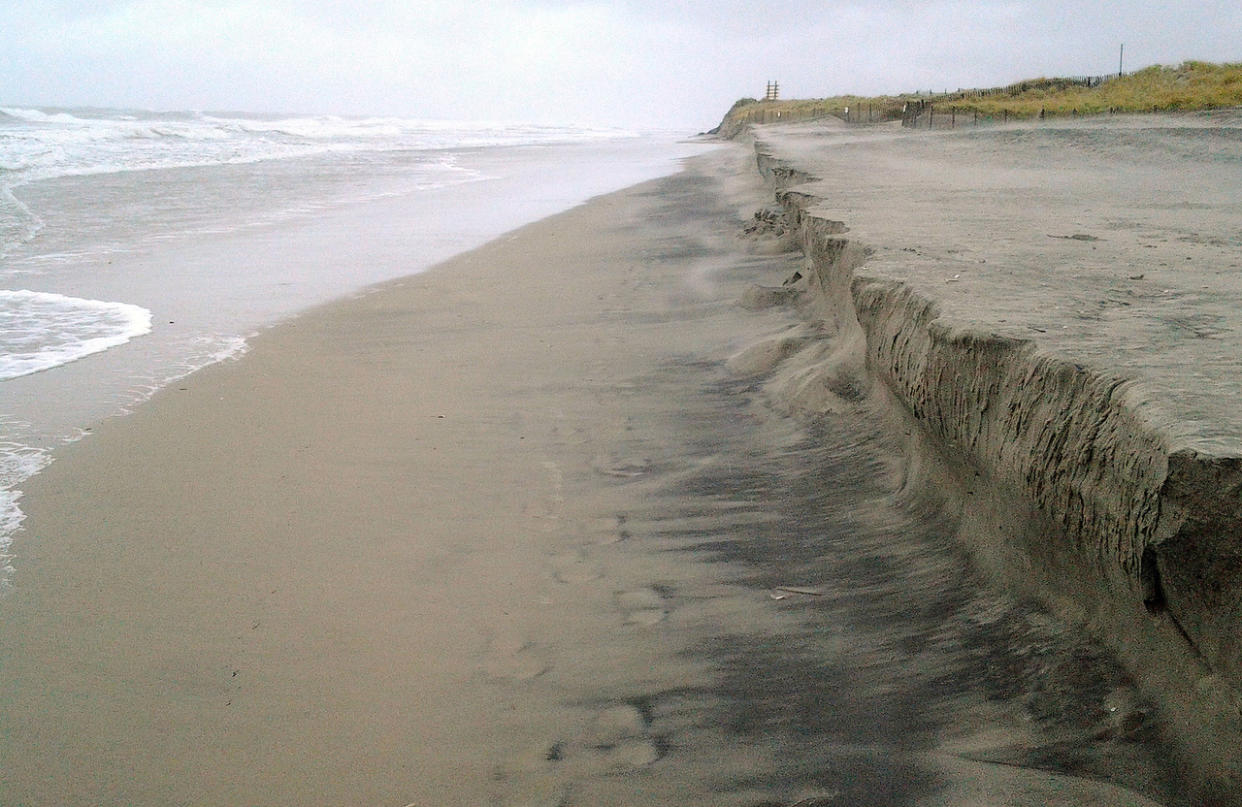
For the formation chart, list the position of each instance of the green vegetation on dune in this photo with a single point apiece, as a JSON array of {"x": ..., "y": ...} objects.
[
  {"x": 1186, "y": 87},
  {"x": 1189, "y": 86},
  {"x": 748, "y": 110}
]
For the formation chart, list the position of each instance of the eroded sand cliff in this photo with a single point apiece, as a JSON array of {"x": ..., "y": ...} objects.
[{"x": 1059, "y": 322}]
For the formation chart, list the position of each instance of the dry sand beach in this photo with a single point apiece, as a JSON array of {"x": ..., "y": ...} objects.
[{"x": 592, "y": 515}]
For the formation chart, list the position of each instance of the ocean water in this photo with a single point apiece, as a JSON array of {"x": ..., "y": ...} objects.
[{"x": 136, "y": 247}]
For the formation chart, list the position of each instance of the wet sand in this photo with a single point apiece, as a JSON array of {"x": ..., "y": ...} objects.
[{"x": 516, "y": 531}]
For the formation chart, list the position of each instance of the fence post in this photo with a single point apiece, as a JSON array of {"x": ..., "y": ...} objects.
[{"x": 953, "y": 118}]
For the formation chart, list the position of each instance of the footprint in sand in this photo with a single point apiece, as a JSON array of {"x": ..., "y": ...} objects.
[
  {"x": 637, "y": 752},
  {"x": 644, "y": 606},
  {"x": 617, "y": 740},
  {"x": 516, "y": 659},
  {"x": 528, "y": 779},
  {"x": 611, "y": 530},
  {"x": 622, "y": 467},
  {"x": 535, "y": 791},
  {"x": 573, "y": 567}
]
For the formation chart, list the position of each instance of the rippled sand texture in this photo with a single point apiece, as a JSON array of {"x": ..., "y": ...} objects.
[{"x": 518, "y": 532}]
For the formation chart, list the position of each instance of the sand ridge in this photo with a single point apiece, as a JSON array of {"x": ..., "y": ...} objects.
[{"x": 1100, "y": 426}]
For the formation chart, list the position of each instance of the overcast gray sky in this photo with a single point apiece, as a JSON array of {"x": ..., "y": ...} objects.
[{"x": 624, "y": 62}]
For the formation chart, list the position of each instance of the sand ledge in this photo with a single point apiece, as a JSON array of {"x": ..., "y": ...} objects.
[{"x": 1141, "y": 521}]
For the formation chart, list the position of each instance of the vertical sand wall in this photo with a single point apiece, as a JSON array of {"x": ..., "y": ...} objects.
[{"x": 1144, "y": 536}]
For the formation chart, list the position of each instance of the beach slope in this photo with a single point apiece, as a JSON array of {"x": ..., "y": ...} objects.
[{"x": 573, "y": 519}]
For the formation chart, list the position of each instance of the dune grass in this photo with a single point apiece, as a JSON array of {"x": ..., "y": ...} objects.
[
  {"x": 1185, "y": 87},
  {"x": 874, "y": 109},
  {"x": 1188, "y": 86}
]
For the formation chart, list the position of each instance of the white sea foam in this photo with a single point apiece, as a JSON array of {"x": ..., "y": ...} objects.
[
  {"x": 39, "y": 330},
  {"x": 21, "y": 457},
  {"x": 11, "y": 518},
  {"x": 39, "y": 116},
  {"x": 41, "y": 144},
  {"x": 18, "y": 223},
  {"x": 18, "y": 462},
  {"x": 201, "y": 216}
]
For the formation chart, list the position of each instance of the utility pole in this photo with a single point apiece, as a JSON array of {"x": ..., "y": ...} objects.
[{"x": 1121, "y": 61}]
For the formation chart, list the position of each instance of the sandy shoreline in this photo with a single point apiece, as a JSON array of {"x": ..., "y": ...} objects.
[
  {"x": 312, "y": 576},
  {"x": 508, "y": 532}
]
